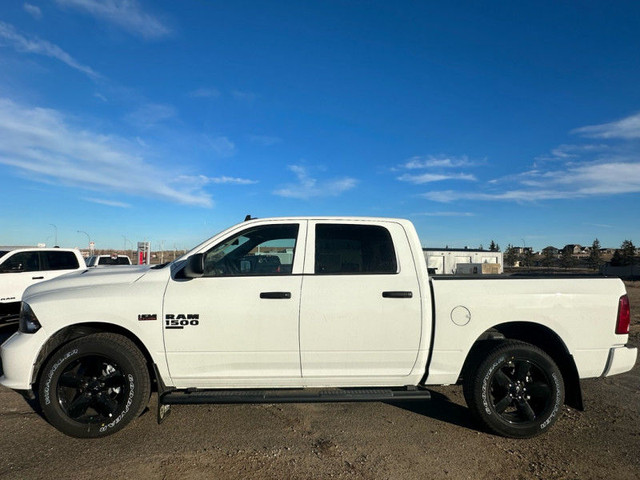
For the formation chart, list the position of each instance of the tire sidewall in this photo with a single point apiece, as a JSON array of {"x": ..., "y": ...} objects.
[
  {"x": 494, "y": 420},
  {"x": 76, "y": 350}
]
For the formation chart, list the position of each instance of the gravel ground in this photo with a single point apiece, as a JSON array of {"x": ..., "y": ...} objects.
[{"x": 436, "y": 439}]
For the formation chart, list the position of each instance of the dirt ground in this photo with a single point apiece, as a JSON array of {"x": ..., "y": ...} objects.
[{"x": 435, "y": 439}]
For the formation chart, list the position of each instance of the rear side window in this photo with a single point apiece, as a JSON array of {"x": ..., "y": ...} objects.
[
  {"x": 354, "y": 249},
  {"x": 21, "y": 262},
  {"x": 60, "y": 261}
]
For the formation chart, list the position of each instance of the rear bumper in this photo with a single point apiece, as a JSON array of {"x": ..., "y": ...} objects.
[{"x": 621, "y": 359}]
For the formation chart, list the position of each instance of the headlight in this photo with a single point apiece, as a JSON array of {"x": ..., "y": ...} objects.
[{"x": 28, "y": 321}]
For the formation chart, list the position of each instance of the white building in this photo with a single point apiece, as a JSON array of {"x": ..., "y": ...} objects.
[{"x": 443, "y": 261}]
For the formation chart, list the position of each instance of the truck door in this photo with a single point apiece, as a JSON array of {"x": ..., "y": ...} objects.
[
  {"x": 238, "y": 324},
  {"x": 360, "y": 314}
]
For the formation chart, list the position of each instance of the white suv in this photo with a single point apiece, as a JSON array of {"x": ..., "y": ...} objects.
[{"x": 22, "y": 267}]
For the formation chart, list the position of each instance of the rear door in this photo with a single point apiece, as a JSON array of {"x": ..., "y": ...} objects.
[{"x": 360, "y": 313}]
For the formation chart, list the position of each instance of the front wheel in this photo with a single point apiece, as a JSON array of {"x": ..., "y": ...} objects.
[
  {"x": 94, "y": 385},
  {"x": 516, "y": 390}
]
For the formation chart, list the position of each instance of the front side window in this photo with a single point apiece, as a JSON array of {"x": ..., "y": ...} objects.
[
  {"x": 21, "y": 262},
  {"x": 60, "y": 261},
  {"x": 267, "y": 250},
  {"x": 354, "y": 249}
]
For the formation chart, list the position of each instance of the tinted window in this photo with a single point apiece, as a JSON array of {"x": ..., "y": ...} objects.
[
  {"x": 267, "y": 250},
  {"x": 60, "y": 260},
  {"x": 114, "y": 261},
  {"x": 354, "y": 249},
  {"x": 22, "y": 262}
]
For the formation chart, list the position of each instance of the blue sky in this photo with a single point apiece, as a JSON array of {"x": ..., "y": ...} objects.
[{"x": 169, "y": 121}]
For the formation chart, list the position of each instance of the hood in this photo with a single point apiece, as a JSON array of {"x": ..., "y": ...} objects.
[{"x": 88, "y": 278}]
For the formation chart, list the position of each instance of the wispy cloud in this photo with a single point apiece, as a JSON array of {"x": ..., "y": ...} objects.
[
  {"x": 209, "y": 92},
  {"x": 42, "y": 144},
  {"x": 151, "y": 114},
  {"x": 108, "y": 203},
  {"x": 221, "y": 145},
  {"x": 308, "y": 187},
  {"x": 201, "y": 180},
  {"x": 125, "y": 14},
  {"x": 41, "y": 47},
  {"x": 243, "y": 96},
  {"x": 33, "y": 10},
  {"x": 581, "y": 181},
  {"x": 434, "y": 177},
  {"x": 439, "y": 169},
  {"x": 627, "y": 128},
  {"x": 264, "y": 140},
  {"x": 445, "y": 214},
  {"x": 438, "y": 161}
]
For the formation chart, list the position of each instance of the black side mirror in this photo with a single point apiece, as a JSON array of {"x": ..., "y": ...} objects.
[{"x": 195, "y": 266}]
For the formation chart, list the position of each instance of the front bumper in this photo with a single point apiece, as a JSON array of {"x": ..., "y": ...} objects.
[
  {"x": 18, "y": 356},
  {"x": 621, "y": 359}
]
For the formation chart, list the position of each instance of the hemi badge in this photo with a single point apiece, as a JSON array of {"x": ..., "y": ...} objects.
[{"x": 147, "y": 316}]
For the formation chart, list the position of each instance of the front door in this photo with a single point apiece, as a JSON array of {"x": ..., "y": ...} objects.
[{"x": 238, "y": 324}]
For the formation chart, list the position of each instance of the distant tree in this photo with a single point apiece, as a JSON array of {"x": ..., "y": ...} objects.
[
  {"x": 566, "y": 258},
  {"x": 595, "y": 257},
  {"x": 481, "y": 247},
  {"x": 548, "y": 256},
  {"x": 510, "y": 255},
  {"x": 494, "y": 247},
  {"x": 627, "y": 252},
  {"x": 526, "y": 259}
]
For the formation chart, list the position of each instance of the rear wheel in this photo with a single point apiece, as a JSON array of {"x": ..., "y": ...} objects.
[
  {"x": 95, "y": 385},
  {"x": 516, "y": 390}
]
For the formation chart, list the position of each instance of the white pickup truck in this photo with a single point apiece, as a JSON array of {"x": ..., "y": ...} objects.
[{"x": 312, "y": 309}]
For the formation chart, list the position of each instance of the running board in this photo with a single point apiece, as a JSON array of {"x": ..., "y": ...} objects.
[{"x": 300, "y": 395}]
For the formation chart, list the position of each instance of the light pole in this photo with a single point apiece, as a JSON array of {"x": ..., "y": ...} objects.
[
  {"x": 56, "y": 234},
  {"x": 88, "y": 238}
]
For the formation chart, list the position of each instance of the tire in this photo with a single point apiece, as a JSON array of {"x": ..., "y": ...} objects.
[
  {"x": 516, "y": 390},
  {"x": 95, "y": 385}
]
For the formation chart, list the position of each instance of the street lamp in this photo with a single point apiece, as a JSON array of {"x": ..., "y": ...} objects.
[{"x": 88, "y": 238}]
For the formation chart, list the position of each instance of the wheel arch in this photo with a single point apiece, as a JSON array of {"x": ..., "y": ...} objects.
[
  {"x": 72, "y": 332},
  {"x": 542, "y": 337}
]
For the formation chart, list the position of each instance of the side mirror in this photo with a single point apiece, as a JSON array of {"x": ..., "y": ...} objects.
[{"x": 195, "y": 266}]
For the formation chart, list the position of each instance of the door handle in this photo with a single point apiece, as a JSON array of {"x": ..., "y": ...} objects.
[
  {"x": 397, "y": 294},
  {"x": 275, "y": 295},
  {"x": 37, "y": 278}
]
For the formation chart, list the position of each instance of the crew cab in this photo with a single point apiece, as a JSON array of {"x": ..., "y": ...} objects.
[
  {"x": 21, "y": 267},
  {"x": 312, "y": 309},
  {"x": 107, "y": 260}
]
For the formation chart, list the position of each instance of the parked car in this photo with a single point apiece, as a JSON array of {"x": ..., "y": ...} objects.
[
  {"x": 22, "y": 267},
  {"x": 104, "y": 260},
  {"x": 349, "y": 313}
]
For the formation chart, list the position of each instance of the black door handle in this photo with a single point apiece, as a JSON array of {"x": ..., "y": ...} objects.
[
  {"x": 37, "y": 278},
  {"x": 275, "y": 295},
  {"x": 397, "y": 294}
]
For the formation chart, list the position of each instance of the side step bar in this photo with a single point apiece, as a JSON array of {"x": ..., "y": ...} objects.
[{"x": 306, "y": 395}]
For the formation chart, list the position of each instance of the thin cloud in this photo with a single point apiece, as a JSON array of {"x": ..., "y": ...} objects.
[
  {"x": 627, "y": 128},
  {"x": 612, "y": 178},
  {"x": 41, "y": 144},
  {"x": 202, "y": 180},
  {"x": 264, "y": 140},
  {"x": 108, "y": 203},
  {"x": 432, "y": 177},
  {"x": 243, "y": 96},
  {"x": 205, "y": 93},
  {"x": 222, "y": 146},
  {"x": 432, "y": 161},
  {"x": 33, "y": 10},
  {"x": 125, "y": 14},
  {"x": 42, "y": 47},
  {"x": 151, "y": 114},
  {"x": 308, "y": 187},
  {"x": 445, "y": 214}
]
